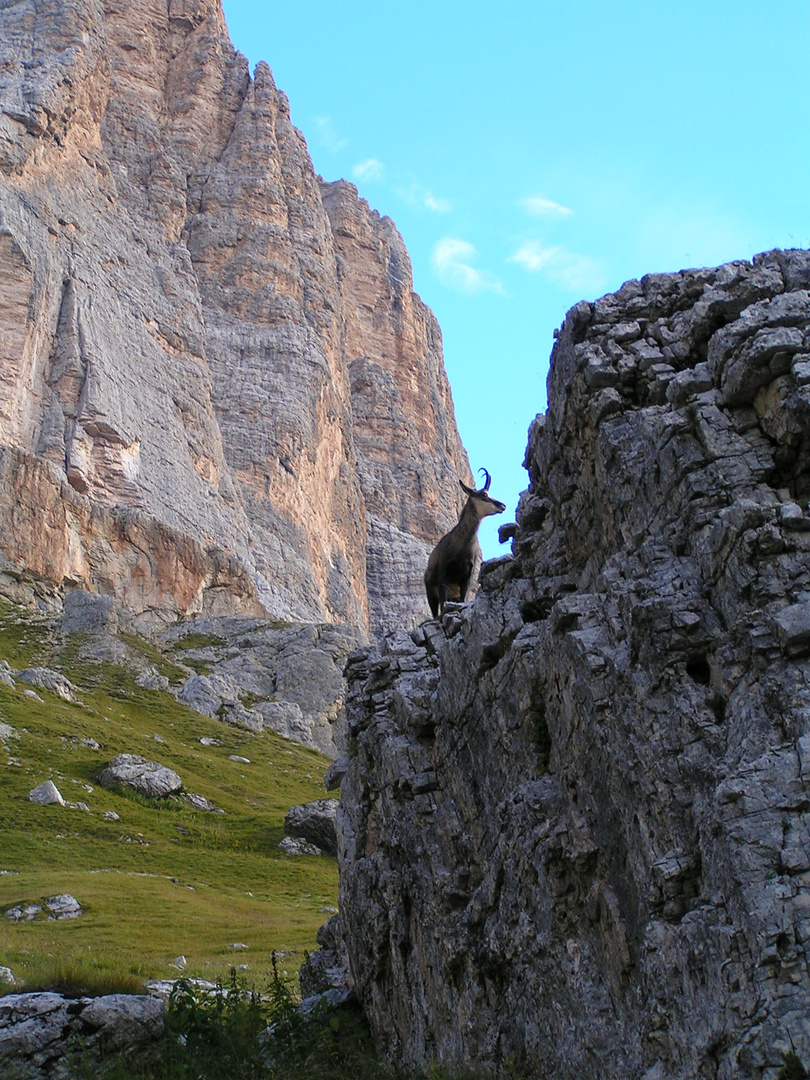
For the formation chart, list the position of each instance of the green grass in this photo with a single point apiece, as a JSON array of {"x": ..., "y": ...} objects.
[{"x": 164, "y": 880}]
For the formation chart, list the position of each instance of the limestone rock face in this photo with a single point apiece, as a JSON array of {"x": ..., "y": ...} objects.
[
  {"x": 38, "y": 1030},
  {"x": 574, "y": 831},
  {"x": 197, "y": 345}
]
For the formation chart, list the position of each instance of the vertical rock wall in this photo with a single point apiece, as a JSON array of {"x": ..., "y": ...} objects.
[
  {"x": 575, "y": 825},
  {"x": 180, "y": 319}
]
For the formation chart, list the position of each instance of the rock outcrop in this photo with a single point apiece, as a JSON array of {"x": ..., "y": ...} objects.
[
  {"x": 38, "y": 1032},
  {"x": 574, "y": 825},
  {"x": 218, "y": 391}
]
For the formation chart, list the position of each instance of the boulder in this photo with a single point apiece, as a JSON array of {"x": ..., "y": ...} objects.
[
  {"x": 149, "y": 778},
  {"x": 315, "y": 822},
  {"x": 38, "y": 1030},
  {"x": 48, "y": 679},
  {"x": 47, "y": 794}
]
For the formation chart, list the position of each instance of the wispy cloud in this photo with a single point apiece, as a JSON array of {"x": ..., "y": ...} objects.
[
  {"x": 452, "y": 261},
  {"x": 417, "y": 195},
  {"x": 579, "y": 273},
  {"x": 439, "y": 206},
  {"x": 538, "y": 206},
  {"x": 371, "y": 170},
  {"x": 328, "y": 135}
]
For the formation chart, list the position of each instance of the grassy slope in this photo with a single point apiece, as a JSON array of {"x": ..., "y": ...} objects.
[{"x": 166, "y": 879}]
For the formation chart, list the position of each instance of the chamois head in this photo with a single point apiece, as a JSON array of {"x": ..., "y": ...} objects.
[
  {"x": 483, "y": 502},
  {"x": 451, "y": 562}
]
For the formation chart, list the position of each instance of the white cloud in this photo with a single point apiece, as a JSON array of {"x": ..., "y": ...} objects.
[
  {"x": 439, "y": 206},
  {"x": 538, "y": 206},
  {"x": 371, "y": 170},
  {"x": 452, "y": 260},
  {"x": 328, "y": 135},
  {"x": 579, "y": 273},
  {"x": 422, "y": 197}
]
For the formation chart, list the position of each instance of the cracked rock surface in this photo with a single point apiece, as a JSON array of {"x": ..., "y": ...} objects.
[
  {"x": 217, "y": 385},
  {"x": 38, "y": 1030},
  {"x": 575, "y": 822}
]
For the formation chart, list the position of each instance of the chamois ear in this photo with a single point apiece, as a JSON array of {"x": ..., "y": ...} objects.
[{"x": 469, "y": 491}]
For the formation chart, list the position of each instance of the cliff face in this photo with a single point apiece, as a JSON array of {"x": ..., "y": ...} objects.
[
  {"x": 575, "y": 825},
  {"x": 191, "y": 331}
]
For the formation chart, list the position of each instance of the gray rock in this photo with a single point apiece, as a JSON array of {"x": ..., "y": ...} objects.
[
  {"x": 7, "y": 976},
  {"x": 151, "y": 679},
  {"x": 150, "y": 778},
  {"x": 63, "y": 906},
  {"x": 315, "y": 822},
  {"x": 199, "y": 802},
  {"x": 334, "y": 774},
  {"x": 47, "y": 794},
  {"x": 47, "y": 679},
  {"x": 573, "y": 826},
  {"x": 27, "y": 913},
  {"x": 89, "y": 613},
  {"x": 264, "y": 675},
  {"x": 292, "y": 845},
  {"x": 37, "y": 1030}
]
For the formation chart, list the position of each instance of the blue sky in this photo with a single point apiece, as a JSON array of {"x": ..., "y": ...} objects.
[{"x": 533, "y": 154}]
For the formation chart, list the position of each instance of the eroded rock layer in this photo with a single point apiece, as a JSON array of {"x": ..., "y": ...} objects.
[
  {"x": 188, "y": 329},
  {"x": 574, "y": 830}
]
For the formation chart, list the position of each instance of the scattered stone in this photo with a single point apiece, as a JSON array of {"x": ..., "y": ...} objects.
[
  {"x": 241, "y": 760},
  {"x": 34, "y": 696},
  {"x": 206, "y": 740},
  {"x": 147, "y": 777},
  {"x": 47, "y": 794},
  {"x": 199, "y": 802},
  {"x": 238, "y": 945},
  {"x": 291, "y": 845},
  {"x": 47, "y": 679},
  {"x": 7, "y": 976},
  {"x": 63, "y": 906},
  {"x": 7, "y": 732},
  {"x": 90, "y": 744},
  {"x": 24, "y": 914},
  {"x": 180, "y": 963},
  {"x": 315, "y": 822},
  {"x": 110, "y": 815},
  {"x": 6, "y": 678}
]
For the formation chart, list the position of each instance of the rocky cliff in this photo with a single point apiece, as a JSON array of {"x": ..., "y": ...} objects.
[
  {"x": 574, "y": 830},
  {"x": 203, "y": 349}
]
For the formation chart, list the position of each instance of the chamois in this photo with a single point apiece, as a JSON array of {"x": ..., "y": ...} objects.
[{"x": 451, "y": 562}]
